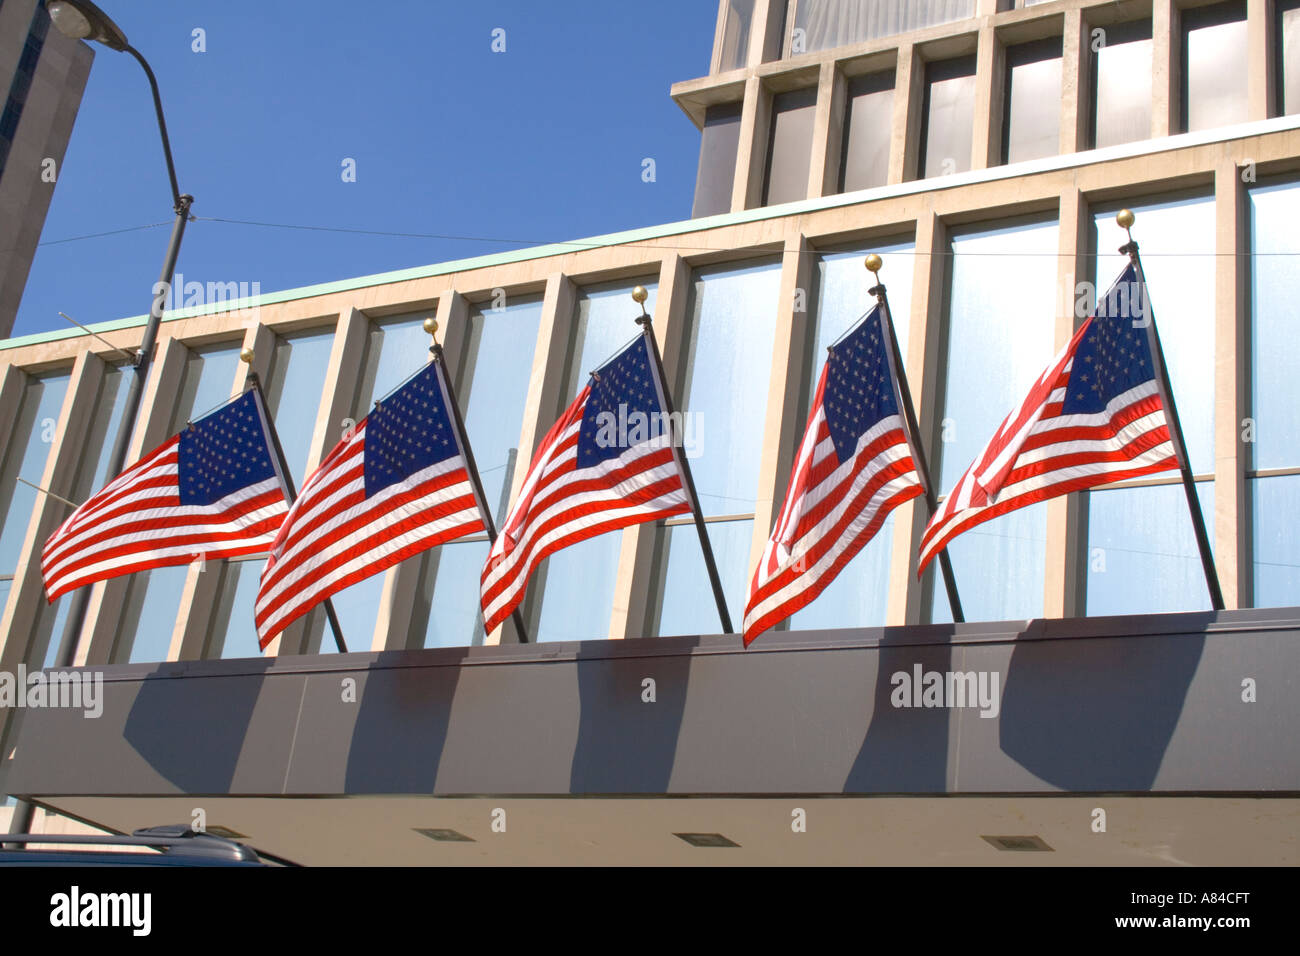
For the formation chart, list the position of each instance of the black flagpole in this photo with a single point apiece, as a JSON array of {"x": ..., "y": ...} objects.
[
  {"x": 290, "y": 493},
  {"x": 1125, "y": 218},
  {"x": 431, "y": 326},
  {"x": 647, "y": 329},
  {"x": 904, "y": 396}
]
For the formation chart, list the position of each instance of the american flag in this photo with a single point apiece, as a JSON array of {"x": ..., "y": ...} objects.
[
  {"x": 396, "y": 486},
  {"x": 211, "y": 491},
  {"x": 606, "y": 464},
  {"x": 853, "y": 468},
  {"x": 1092, "y": 418}
]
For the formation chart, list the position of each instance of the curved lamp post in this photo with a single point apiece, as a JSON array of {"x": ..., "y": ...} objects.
[{"x": 82, "y": 20}]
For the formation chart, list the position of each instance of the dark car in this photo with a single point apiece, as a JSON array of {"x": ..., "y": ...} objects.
[{"x": 177, "y": 845}]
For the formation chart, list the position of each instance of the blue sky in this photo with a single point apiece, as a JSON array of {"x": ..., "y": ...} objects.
[{"x": 540, "y": 143}]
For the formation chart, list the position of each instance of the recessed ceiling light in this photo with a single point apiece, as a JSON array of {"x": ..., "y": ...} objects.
[
  {"x": 1023, "y": 843},
  {"x": 705, "y": 839},
  {"x": 443, "y": 835}
]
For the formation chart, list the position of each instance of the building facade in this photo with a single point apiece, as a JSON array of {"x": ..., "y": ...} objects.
[
  {"x": 983, "y": 152},
  {"x": 42, "y": 76}
]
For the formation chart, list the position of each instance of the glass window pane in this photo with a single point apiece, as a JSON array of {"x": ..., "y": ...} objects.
[
  {"x": 790, "y": 147},
  {"x": 1001, "y": 322},
  {"x": 1177, "y": 240},
  {"x": 30, "y": 443},
  {"x": 1033, "y": 119},
  {"x": 1275, "y": 347},
  {"x": 949, "y": 112},
  {"x": 1122, "y": 90},
  {"x": 866, "y": 138},
  {"x": 1142, "y": 553},
  {"x": 719, "y": 141},
  {"x": 723, "y": 389},
  {"x": 396, "y": 349},
  {"x": 92, "y": 474},
  {"x": 1276, "y": 505},
  {"x": 856, "y": 598},
  {"x": 492, "y": 389},
  {"x": 576, "y": 584},
  {"x": 1216, "y": 66},
  {"x": 153, "y": 597},
  {"x": 823, "y": 24},
  {"x": 293, "y": 387},
  {"x": 735, "y": 34}
]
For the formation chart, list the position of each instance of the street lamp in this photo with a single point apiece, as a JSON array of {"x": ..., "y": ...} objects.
[{"x": 82, "y": 20}]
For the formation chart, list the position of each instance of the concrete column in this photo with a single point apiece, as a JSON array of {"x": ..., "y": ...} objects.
[
  {"x": 203, "y": 579},
  {"x": 398, "y": 626},
  {"x": 1166, "y": 52},
  {"x": 98, "y": 639},
  {"x": 782, "y": 422},
  {"x": 1261, "y": 60},
  {"x": 751, "y": 151},
  {"x": 18, "y": 643},
  {"x": 905, "y": 130},
  {"x": 632, "y": 591},
  {"x": 990, "y": 70},
  {"x": 343, "y": 372},
  {"x": 1065, "y": 570},
  {"x": 719, "y": 31},
  {"x": 925, "y": 336},
  {"x": 1076, "y": 84},
  {"x": 828, "y": 132},
  {"x": 1233, "y": 550}
]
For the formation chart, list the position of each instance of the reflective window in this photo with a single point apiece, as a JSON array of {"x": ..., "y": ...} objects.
[
  {"x": 396, "y": 349},
  {"x": 1121, "y": 75},
  {"x": 576, "y": 584},
  {"x": 1275, "y": 394},
  {"x": 153, "y": 597},
  {"x": 294, "y": 386},
  {"x": 1001, "y": 320},
  {"x": 1177, "y": 242},
  {"x": 30, "y": 443},
  {"x": 92, "y": 474},
  {"x": 1215, "y": 66},
  {"x": 1032, "y": 128},
  {"x": 857, "y": 597},
  {"x": 949, "y": 117},
  {"x": 790, "y": 146},
  {"x": 719, "y": 141},
  {"x": 868, "y": 122},
  {"x": 722, "y": 387},
  {"x": 1288, "y": 54},
  {"x": 492, "y": 389},
  {"x": 823, "y": 24},
  {"x": 735, "y": 34},
  {"x": 1142, "y": 555}
]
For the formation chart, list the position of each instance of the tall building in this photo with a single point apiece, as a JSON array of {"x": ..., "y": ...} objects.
[
  {"x": 42, "y": 76},
  {"x": 983, "y": 150}
]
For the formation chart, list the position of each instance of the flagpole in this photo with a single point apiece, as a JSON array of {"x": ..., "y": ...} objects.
[
  {"x": 639, "y": 294},
  {"x": 904, "y": 396},
  {"x": 476, "y": 483},
  {"x": 1125, "y": 218},
  {"x": 246, "y": 356}
]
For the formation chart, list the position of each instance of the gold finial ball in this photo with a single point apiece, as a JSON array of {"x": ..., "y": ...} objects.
[
  {"x": 1125, "y": 218},
  {"x": 431, "y": 325},
  {"x": 873, "y": 263},
  {"x": 639, "y": 294},
  {"x": 246, "y": 356}
]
